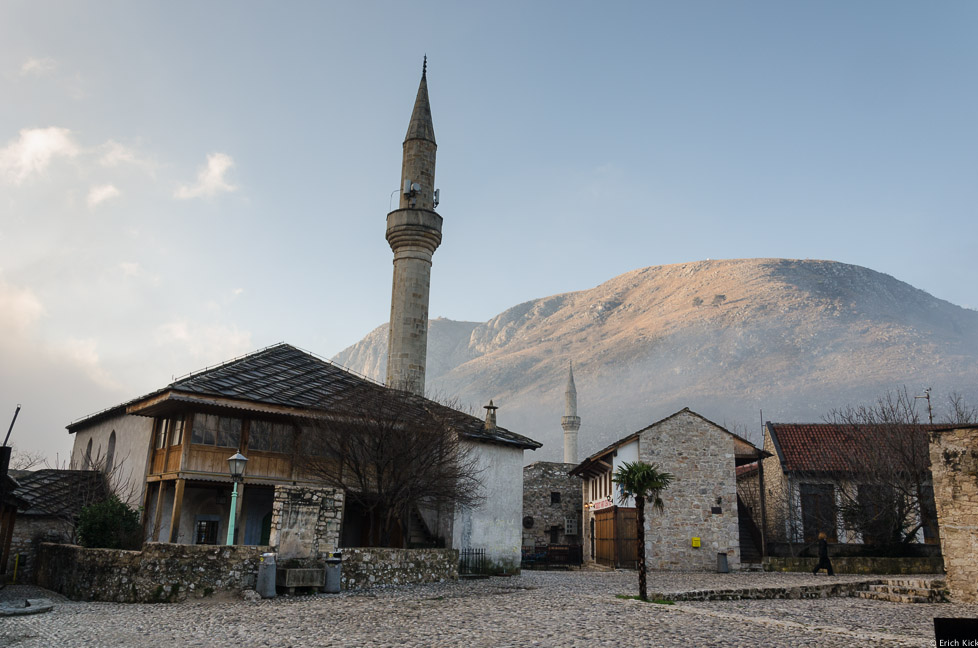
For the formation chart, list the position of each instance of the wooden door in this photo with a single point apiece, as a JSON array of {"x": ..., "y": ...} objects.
[
  {"x": 626, "y": 538},
  {"x": 604, "y": 537}
]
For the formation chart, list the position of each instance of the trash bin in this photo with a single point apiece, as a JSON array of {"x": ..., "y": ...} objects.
[
  {"x": 722, "y": 567},
  {"x": 333, "y": 569},
  {"x": 266, "y": 576}
]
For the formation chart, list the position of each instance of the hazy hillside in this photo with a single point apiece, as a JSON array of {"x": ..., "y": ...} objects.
[{"x": 725, "y": 338}]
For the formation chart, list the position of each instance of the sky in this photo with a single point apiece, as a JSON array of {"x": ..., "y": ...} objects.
[{"x": 185, "y": 182}]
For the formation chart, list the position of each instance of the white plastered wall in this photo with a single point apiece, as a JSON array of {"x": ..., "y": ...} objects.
[
  {"x": 133, "y": 439},
  {"x": 494, "y": 525}
]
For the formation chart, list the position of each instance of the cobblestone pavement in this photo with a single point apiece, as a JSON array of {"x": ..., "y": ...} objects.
[{"x": 537, "y": 609}]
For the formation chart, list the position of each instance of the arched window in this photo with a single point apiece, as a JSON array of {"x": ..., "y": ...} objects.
[
  {"x": 88, "y": 456},
  {"x": 110, "y": 453}
]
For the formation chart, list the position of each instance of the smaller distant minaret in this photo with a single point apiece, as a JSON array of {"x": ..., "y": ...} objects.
[{"x": 570, "y": 421}]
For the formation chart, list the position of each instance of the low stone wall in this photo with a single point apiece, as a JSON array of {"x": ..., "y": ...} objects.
[
  {"x": 861, "y": 565},
  {"x": 29, "y": 532},
  {"x": 160, "y": 572},
  {"x": 365, "y": 567}
]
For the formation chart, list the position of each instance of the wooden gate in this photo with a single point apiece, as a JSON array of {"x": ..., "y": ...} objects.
[{"x": 615, "y": 540}]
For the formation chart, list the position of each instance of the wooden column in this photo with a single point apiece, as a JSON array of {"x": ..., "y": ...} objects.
[
  {"x": 158, "y": 517},
  {"x": 177, "y": 508}
]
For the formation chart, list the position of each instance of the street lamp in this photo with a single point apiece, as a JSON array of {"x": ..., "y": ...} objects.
[{"x": 236, "y": 464}]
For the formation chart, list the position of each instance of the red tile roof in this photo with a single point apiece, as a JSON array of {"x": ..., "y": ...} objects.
[{"x": 831, "y": 447}]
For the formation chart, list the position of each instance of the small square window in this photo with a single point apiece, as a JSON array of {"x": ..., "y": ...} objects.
[{"x": 555, "y": 498}]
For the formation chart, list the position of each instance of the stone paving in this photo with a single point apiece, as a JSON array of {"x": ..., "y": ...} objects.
[{"x": 537, "y": 609}]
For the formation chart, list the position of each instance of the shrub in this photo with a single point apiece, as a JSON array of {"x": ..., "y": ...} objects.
[{"x": 109, "y": 524}]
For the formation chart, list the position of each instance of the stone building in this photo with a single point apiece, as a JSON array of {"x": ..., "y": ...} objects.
[
  {"x": 264, "y": 405},
  {"x": 551, "y": 505},
  {"x": 812, "y": 471},
  {"x": 50, "y": 501},
  {"x": 551, "y": 497},
  {"x": 954, "y": 465},
  {"x": 701, "y": 515}
]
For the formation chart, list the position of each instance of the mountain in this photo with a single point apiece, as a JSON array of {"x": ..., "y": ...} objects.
[{"x": 727, "y": 338}]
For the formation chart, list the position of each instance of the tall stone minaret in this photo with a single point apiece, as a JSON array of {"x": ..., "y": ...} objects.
[
  {"x": 414, "y": 233},
  {"x": 570, "y": 421}
]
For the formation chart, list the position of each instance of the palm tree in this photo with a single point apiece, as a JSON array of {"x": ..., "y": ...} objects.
[{"x": 644, "y": 482}]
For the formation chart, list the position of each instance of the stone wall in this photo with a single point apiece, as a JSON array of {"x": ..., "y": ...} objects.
[
  {"x": 860, "y": 565},
  {"x": 954, "y": 466},
  {"x": 365, "y": 567},
  {"x": 540, "y": 481},
  {"x": 701, "y": 502},
  {"x": 306, "y": 521},
  {"x": 29, "y": 532},
  {"x": 159, "y": 572}
]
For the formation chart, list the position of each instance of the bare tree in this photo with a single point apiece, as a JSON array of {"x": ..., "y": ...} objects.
[
  {"x": 393, "y": 454},
  {"x": 959, "y": 411},
  {"x": 92, "y": 482},
  {"x": 25, "y": 459},
  {"x": 884, "y": 489}
]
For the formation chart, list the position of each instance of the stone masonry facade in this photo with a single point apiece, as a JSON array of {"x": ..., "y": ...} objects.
[
  {"x": 29, "y": 532},
  {"x": 700, "y": 503},
  {"x": 954, "y": 466},
  {"x": 306, "y": 521},
  {"x": 551, "y": 498},
  {"x": 156, "y": 574},
  {"x": 367, "y": 567}
]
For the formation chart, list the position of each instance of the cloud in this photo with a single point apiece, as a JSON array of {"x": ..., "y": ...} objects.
[
  {"x": 130, "y": 269},
  {"x": 100, "y": 194},
  {"x": 84, "y": 355},
  {"x": 210, "y": 178},
  {"x": 37, "y": 66},
  {"x": 206, "y": 344},
  {"x": 33, "y": 151},
  {"x": 115, "y": 154},
  {"x": 19, "y": 309}
]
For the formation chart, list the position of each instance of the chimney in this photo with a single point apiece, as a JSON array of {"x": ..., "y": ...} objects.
[{"x": 490, "y": 416}]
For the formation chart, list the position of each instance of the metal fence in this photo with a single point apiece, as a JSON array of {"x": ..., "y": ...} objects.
[
  {"x": 548, "y": 556},
  {"x": 472, "y": 561}
]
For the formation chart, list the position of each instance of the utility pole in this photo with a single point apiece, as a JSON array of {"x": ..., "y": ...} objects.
[{"x": 930, "y": 412}]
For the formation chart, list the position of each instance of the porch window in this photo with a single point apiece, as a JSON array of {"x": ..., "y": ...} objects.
[
  {"x": 161, "y": 425},
  {"x": 176, "y": 431},
  {"x": 265, "y": 436},
  {"x": 220, "y": 431}
]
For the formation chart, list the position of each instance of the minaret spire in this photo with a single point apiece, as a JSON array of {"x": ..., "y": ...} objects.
[
  {"x": 571, "y": 422},
  {"x": 414, "y": 233}
]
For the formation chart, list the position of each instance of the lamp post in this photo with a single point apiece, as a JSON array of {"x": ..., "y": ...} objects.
[{"x": 236, "y": 464}]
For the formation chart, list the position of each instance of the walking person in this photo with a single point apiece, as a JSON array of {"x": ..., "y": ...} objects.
[{"x": 823, "y": 555}]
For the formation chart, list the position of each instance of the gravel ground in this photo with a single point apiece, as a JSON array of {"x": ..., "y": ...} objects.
[{"x": 538, "y": 609}]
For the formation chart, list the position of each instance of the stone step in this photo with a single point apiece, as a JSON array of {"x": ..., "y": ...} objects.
[
  {"x": 893, "y": 598},
  {"x": 917, "y": 582},
  {"x": 900, "y": 589}
]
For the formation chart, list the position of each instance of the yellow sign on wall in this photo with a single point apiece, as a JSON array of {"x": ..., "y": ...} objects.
[{"x": 696, "y": 542}]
